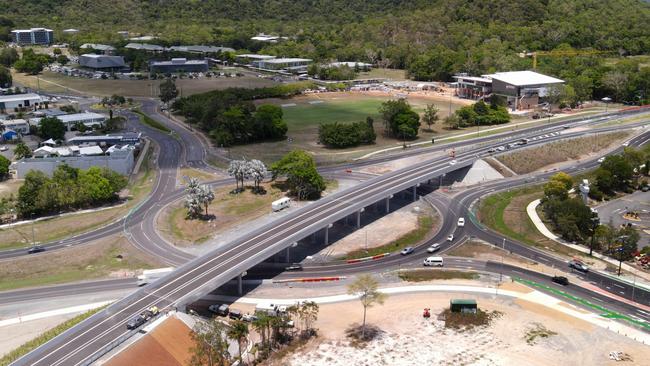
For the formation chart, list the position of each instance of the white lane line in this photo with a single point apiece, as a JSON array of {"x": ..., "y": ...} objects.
[
  {"x": 619, "y": 286},
  {"x": 544, "y": 259},
  {"x": 597, "y": 299}
]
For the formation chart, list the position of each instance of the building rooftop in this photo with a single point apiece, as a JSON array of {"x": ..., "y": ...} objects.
[
  {"x": 71, "y": 30},
  {"x": 91, "y": 150},
  {"x": 96, "y": 46},
  {"x": 178, "y": 61},
  {"x": 201, "y": 49},
  {"x": 473, "y": 78},
  {"x": 18, "y": 97},
  {"x": 286, "y": 60},
  {"x": 523, "y": 78},
  {"x": 31, "y": 30},
  {"x": 145, "y": 46},
  {"x": 349, "y": 64},
  {"x": 101, "y": 61},
  {"x": 256, "y": 57}
]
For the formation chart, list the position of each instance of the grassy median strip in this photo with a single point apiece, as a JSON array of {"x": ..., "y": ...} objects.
[
  {"x": 425, "y": 224},
  {"x": 43, "y": 338},
  {"x": 492, "y": 211},
  {"x": 152, "y": 122},
  {"x": 421, "y": 275}
]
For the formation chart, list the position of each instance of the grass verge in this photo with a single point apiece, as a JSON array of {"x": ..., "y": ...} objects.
[
  {"x": 527, "y": 160},
  {"x": 425, "y": 224},
  {"x": 152, "y": 122},
  {"x": 43, "y": 338},
  {"x": 421, "y": 275}
]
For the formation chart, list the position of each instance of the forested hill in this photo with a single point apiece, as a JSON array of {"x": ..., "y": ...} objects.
[{"x": 431, "y": 38}]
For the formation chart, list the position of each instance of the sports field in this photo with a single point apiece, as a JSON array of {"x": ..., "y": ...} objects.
[{"x": 304, "y": 114}]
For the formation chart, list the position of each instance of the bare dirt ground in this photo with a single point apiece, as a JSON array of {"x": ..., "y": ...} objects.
[
  {"x": 399, "y": 163},
  {"x": 547, "y": 156},
  {"x": 408, "y": 339},
  {"x": 168, "y": 344},
  {"x": 381, "y": 232}
]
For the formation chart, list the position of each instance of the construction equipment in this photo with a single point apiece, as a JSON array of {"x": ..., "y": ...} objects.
[{"x": 560, "y": 53}]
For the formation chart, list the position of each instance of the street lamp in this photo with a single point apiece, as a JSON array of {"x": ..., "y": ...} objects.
[
  {"x": 595, "y": 221},
  {"x": 621, "y": 239},
  {"x": 606, "y": 100}
]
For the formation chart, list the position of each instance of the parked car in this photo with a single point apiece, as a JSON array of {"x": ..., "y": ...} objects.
[
  {"x": 235, "y": 314},
  {"x": 4, "y": 148},
  {"x": 600, "y": 160},
  {"x": 561, "y": 280},
  {"x": 407, "y": 250},
  {"x": 501, "y": 148},
  {"x": 492, "y": 149},
  {"x": 450, "y": 237},
  {"x": 294, "y": 267},
  {"x": 35, "y": 249},
  {"x": 578, "y": 265},
  {"x": 249, "y": 317},
  {"x": 219, "y": 309},
  {"x": 461, "y": 221},
  {"x": 453, "y": 162},
  {"x": 135, "y": 322},
  {"x": 433, "y": 248}
]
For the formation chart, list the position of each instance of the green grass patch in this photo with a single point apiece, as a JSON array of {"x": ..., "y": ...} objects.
[
  {"x": 604, "y": 312},
  {"x": 425, "y": 224},
  {"x": 491, "y": 213},
  {"x": 45, "y": 337},
  {"x": 421, "y": 275},
  {"x": 152, "y": 122}
]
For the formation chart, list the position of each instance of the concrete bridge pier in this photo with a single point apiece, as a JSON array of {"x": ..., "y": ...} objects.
[
  {"x": 327, "y": 234},
  {"x": 388, "y": 203},
  {"x": 359, "y": 217},
  {"x": 415, "y": 192}
]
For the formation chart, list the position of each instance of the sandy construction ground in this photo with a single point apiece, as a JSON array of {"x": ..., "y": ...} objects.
[{"x": 408, "y": 339}]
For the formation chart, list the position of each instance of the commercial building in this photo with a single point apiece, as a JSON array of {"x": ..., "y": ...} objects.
[
  {"x": 127, "y": 138},
  {"x": 9, "y": 103},
  {"x": 178, "y": 65},
  {"x": 201, "y": 49},
  {"x": 89, "y": 119},
  {"x": 20, "y": 126},
  {"x": 522, "y": 89},
  {"x": 145, "y": 47},
  {"x": 267, "y": 38},
  {"x": 249, "y": 58},
  {"x": 104, "y": 48},
  {"x": 41, "y": 36},
  {"x": 102, "y": 62},
  {"x": 295, "y": 65},
  {"x": 120, "y": 160},
  {"x": 351, "y": 64}
]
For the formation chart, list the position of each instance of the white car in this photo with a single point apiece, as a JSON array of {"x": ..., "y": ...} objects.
[
  {"x": 501, "y": 148},
  {"x": 601, "y": 159},
  {"x": 450, "y": 237},
  {"x": 461, "y": 221},
  {"x": 453, "y": 162},
  {"x": 433, "y": 248},
  {"x": 4, "y": 148}
]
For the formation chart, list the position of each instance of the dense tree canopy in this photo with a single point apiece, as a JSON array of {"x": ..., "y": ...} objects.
[
  {"x": 5, "y": 77},
  {"x": 68, "y": 188},
  {"x": 51, "y": 128},
  {"x": 341, "y": 135},
  {"x": 399, "y": 119},
  {"x": 300, "y": 171}
]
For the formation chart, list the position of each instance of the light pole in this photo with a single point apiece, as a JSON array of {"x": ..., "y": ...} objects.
[
  {"x": 595, "y": 221},
  {"x": 502, "y": 255},
  {"x": 33, "y": 236},
  {"x": 621, "y": 239},
  {"x": 606, "y": 100}
]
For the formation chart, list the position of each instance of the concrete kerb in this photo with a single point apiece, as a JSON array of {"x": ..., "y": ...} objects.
[{"x": 531, "y": 210}]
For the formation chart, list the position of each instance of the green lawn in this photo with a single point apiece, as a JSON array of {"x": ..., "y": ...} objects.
[
  {"x": 307, "y": 115},
  {"x": 420, "y": 275},
  {"x": 412, "y": 238}
]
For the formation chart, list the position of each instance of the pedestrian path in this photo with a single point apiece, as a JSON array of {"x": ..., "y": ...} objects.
[{"x": 638, "y": 279}]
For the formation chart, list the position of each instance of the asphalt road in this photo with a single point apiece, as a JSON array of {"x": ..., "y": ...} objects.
[{"x": 219, "y": 266}]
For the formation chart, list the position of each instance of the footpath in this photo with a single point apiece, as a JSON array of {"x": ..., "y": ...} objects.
[{"x": 638, "y": 278}]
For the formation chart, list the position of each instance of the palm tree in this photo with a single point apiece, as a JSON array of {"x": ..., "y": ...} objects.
[
  {"x": 239, "y": 332},
  {"x": 262, "y": 325},
  {"x": 365, "y": 287}
]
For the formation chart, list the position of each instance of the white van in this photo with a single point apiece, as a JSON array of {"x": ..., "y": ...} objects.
[
  {"x": 433, "y": 262},
  {"x": 280, "y": 204}
]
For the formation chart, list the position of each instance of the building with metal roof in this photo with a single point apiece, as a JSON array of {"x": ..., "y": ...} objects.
[
  {"x": 145, "y": 47},
  {"x": 9, "y": 103},
  {"x": 201, "y": 49},
  {"x": 102, "y": 62},
  {"x": 89, "y": 119},
  {"x": 282, "y": 64},
  {"x": 106, "y": 49},
  {"x": 177, "y": 65}
]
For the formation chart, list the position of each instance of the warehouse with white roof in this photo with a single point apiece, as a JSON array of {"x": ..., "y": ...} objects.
[{"x": 89, "y": 119}]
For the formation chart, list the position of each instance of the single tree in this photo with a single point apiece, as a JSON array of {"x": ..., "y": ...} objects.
[
  {"x": 256, "y": 170},
  {"x": 239, "y": 333},
  {"x": 168, "y": 90},
  {"x": 210, "y": 348},
  {"x": 5, "y": 77},
  {"x": 237, "y": 169},
  {"x": 51, "y": 128},
  {"x": 430, "y": 115},
  {"x": 4, "y": 167},
  {"x": 22, "y": 151},
  {"x": 365, "y": 286}
]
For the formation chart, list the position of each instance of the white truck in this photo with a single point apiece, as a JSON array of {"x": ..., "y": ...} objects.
[{"x": 150, "y": 275}]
